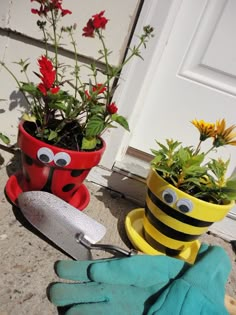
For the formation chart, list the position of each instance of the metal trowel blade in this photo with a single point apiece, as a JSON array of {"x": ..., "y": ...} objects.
[{"x": 60, "y": 222}]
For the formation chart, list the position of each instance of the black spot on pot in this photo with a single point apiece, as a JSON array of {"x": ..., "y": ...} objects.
[
  {"x": 76, "y": 173},
  {"x": 68, "y": 187},
  {"x": 28, "y": 160}
]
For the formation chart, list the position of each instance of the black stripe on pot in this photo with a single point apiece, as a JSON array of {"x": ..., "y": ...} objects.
[
  {"x": 48, "y": 186},
  {"x": 168, "y": 231},
  {"x": 160, "y": 247},
  {"x": 176, "y": 214},
  {"x": 26, "y": 175}
]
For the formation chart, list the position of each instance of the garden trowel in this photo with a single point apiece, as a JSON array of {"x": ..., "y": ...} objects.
[{"x": 67, "y": 227}]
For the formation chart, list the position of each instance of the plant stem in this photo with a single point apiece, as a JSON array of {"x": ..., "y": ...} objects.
[
  {"x": 197, "y": 148},
  {"x": 76, "y": 64},
  {"x": 16, "y": 80},
  {"x": 55, "y": 42},
  {"x": 46, "y": 42},
  {"x": 107, "y": 83},
  {"x": 210, "y": 150}
]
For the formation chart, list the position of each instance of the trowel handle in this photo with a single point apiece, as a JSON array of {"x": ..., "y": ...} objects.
[{"x": 107, "y": 247}]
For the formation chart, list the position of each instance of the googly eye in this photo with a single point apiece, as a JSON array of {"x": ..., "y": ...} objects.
[
  {"x": 169, "y": 196},
  {"x": 45, "y": 155},
  {"x": 184, "y": 205},
  {"x": 62, "y": 159}
]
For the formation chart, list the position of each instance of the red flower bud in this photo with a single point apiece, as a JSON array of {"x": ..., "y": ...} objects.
[{"x": 112, "y": 108}]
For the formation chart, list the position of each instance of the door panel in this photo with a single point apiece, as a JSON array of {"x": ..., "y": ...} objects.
[{"x": 210, "y": 59}]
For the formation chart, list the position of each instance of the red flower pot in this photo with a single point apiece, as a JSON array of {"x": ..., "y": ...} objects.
[{"x": 52, "y": 169}]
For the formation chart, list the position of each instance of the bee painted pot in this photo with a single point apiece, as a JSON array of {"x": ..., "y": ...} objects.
[
  {"x": 174, "y": 220},
  {"x": 49, "y": 168}
]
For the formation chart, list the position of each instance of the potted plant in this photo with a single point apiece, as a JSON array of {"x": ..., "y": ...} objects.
[
  {"x": 60, "y": 136},
  {"x": 186, "y": 192}
]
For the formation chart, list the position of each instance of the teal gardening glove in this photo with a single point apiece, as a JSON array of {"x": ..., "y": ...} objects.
[{"x": 133, "y": 285}]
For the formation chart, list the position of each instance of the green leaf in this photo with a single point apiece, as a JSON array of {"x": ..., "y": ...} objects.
[
  {"x": 230, "y": 187},
  {"x": 163, "y": 147},
  {"x": 96, "y": 109},
  {"x": 121, "y": 121},
  {"x": 58, "y": 105},
  {"x": 95, "y": 126},
  {"x": 218, "y": 167},
  {"x": 28, "y": 117},
  {"x": 89, "y": 143},
  {"x": 29, "y": 88},
  {"x": 157, "y": 159},
  {"x": 183, "y": 155},
  {"x": 4, "y": 138},
  {"x": 52, "y": 135}
]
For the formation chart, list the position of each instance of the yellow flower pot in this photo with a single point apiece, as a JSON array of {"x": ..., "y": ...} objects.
[{"x": 172, "y": 220}]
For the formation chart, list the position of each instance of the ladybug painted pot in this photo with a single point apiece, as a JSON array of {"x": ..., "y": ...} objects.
[{"x": 53, "y": 169}]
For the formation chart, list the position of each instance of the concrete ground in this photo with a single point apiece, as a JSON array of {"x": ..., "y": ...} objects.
[{"x": 26, "y": 265}]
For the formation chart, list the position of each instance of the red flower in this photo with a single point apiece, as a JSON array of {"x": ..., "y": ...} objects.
[
  {"x": 65, "y": 12},
  {"x": 112, "y": 108},
  {"x": 88, "y": 30},
  {"x": 98, "y": 89},
  {"x": 46, "y": 6},
  {"x": 97, "y": 21},
  {"x": 55, "y": 89},
  {"x": 48, "y": 76},
  {"x": 42, "y": 88}
]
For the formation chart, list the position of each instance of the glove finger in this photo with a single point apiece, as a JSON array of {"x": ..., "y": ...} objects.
[
  {"x": 211, "y": 261},
  {"x": 62, "y": 294},
  {"x": 212, "y": 268},
  {"x": 140, "y": 270},
  {"x": 93, "y": 308},
  {"x": 74, "y": 270}
]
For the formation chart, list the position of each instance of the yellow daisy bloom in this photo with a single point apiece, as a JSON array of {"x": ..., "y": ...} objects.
[
  {"x": 206, "y": 129},
  {"x": 223, "y": 135}
]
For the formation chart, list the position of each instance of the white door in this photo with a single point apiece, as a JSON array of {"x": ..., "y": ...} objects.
[
  {"x": 195, "y": 78},
  {"x": 189, "y": 72}
]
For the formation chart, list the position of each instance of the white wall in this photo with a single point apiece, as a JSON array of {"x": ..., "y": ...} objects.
[{"x": 18, "y": 32}]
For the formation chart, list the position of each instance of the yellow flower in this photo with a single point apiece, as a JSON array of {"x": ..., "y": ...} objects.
[
  {"x": 224, "y": 135},
  {"x": 206, "y": 129}
]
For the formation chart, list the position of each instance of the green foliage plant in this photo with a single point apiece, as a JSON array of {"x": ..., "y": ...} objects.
[{"x": 190, "y": 170}]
